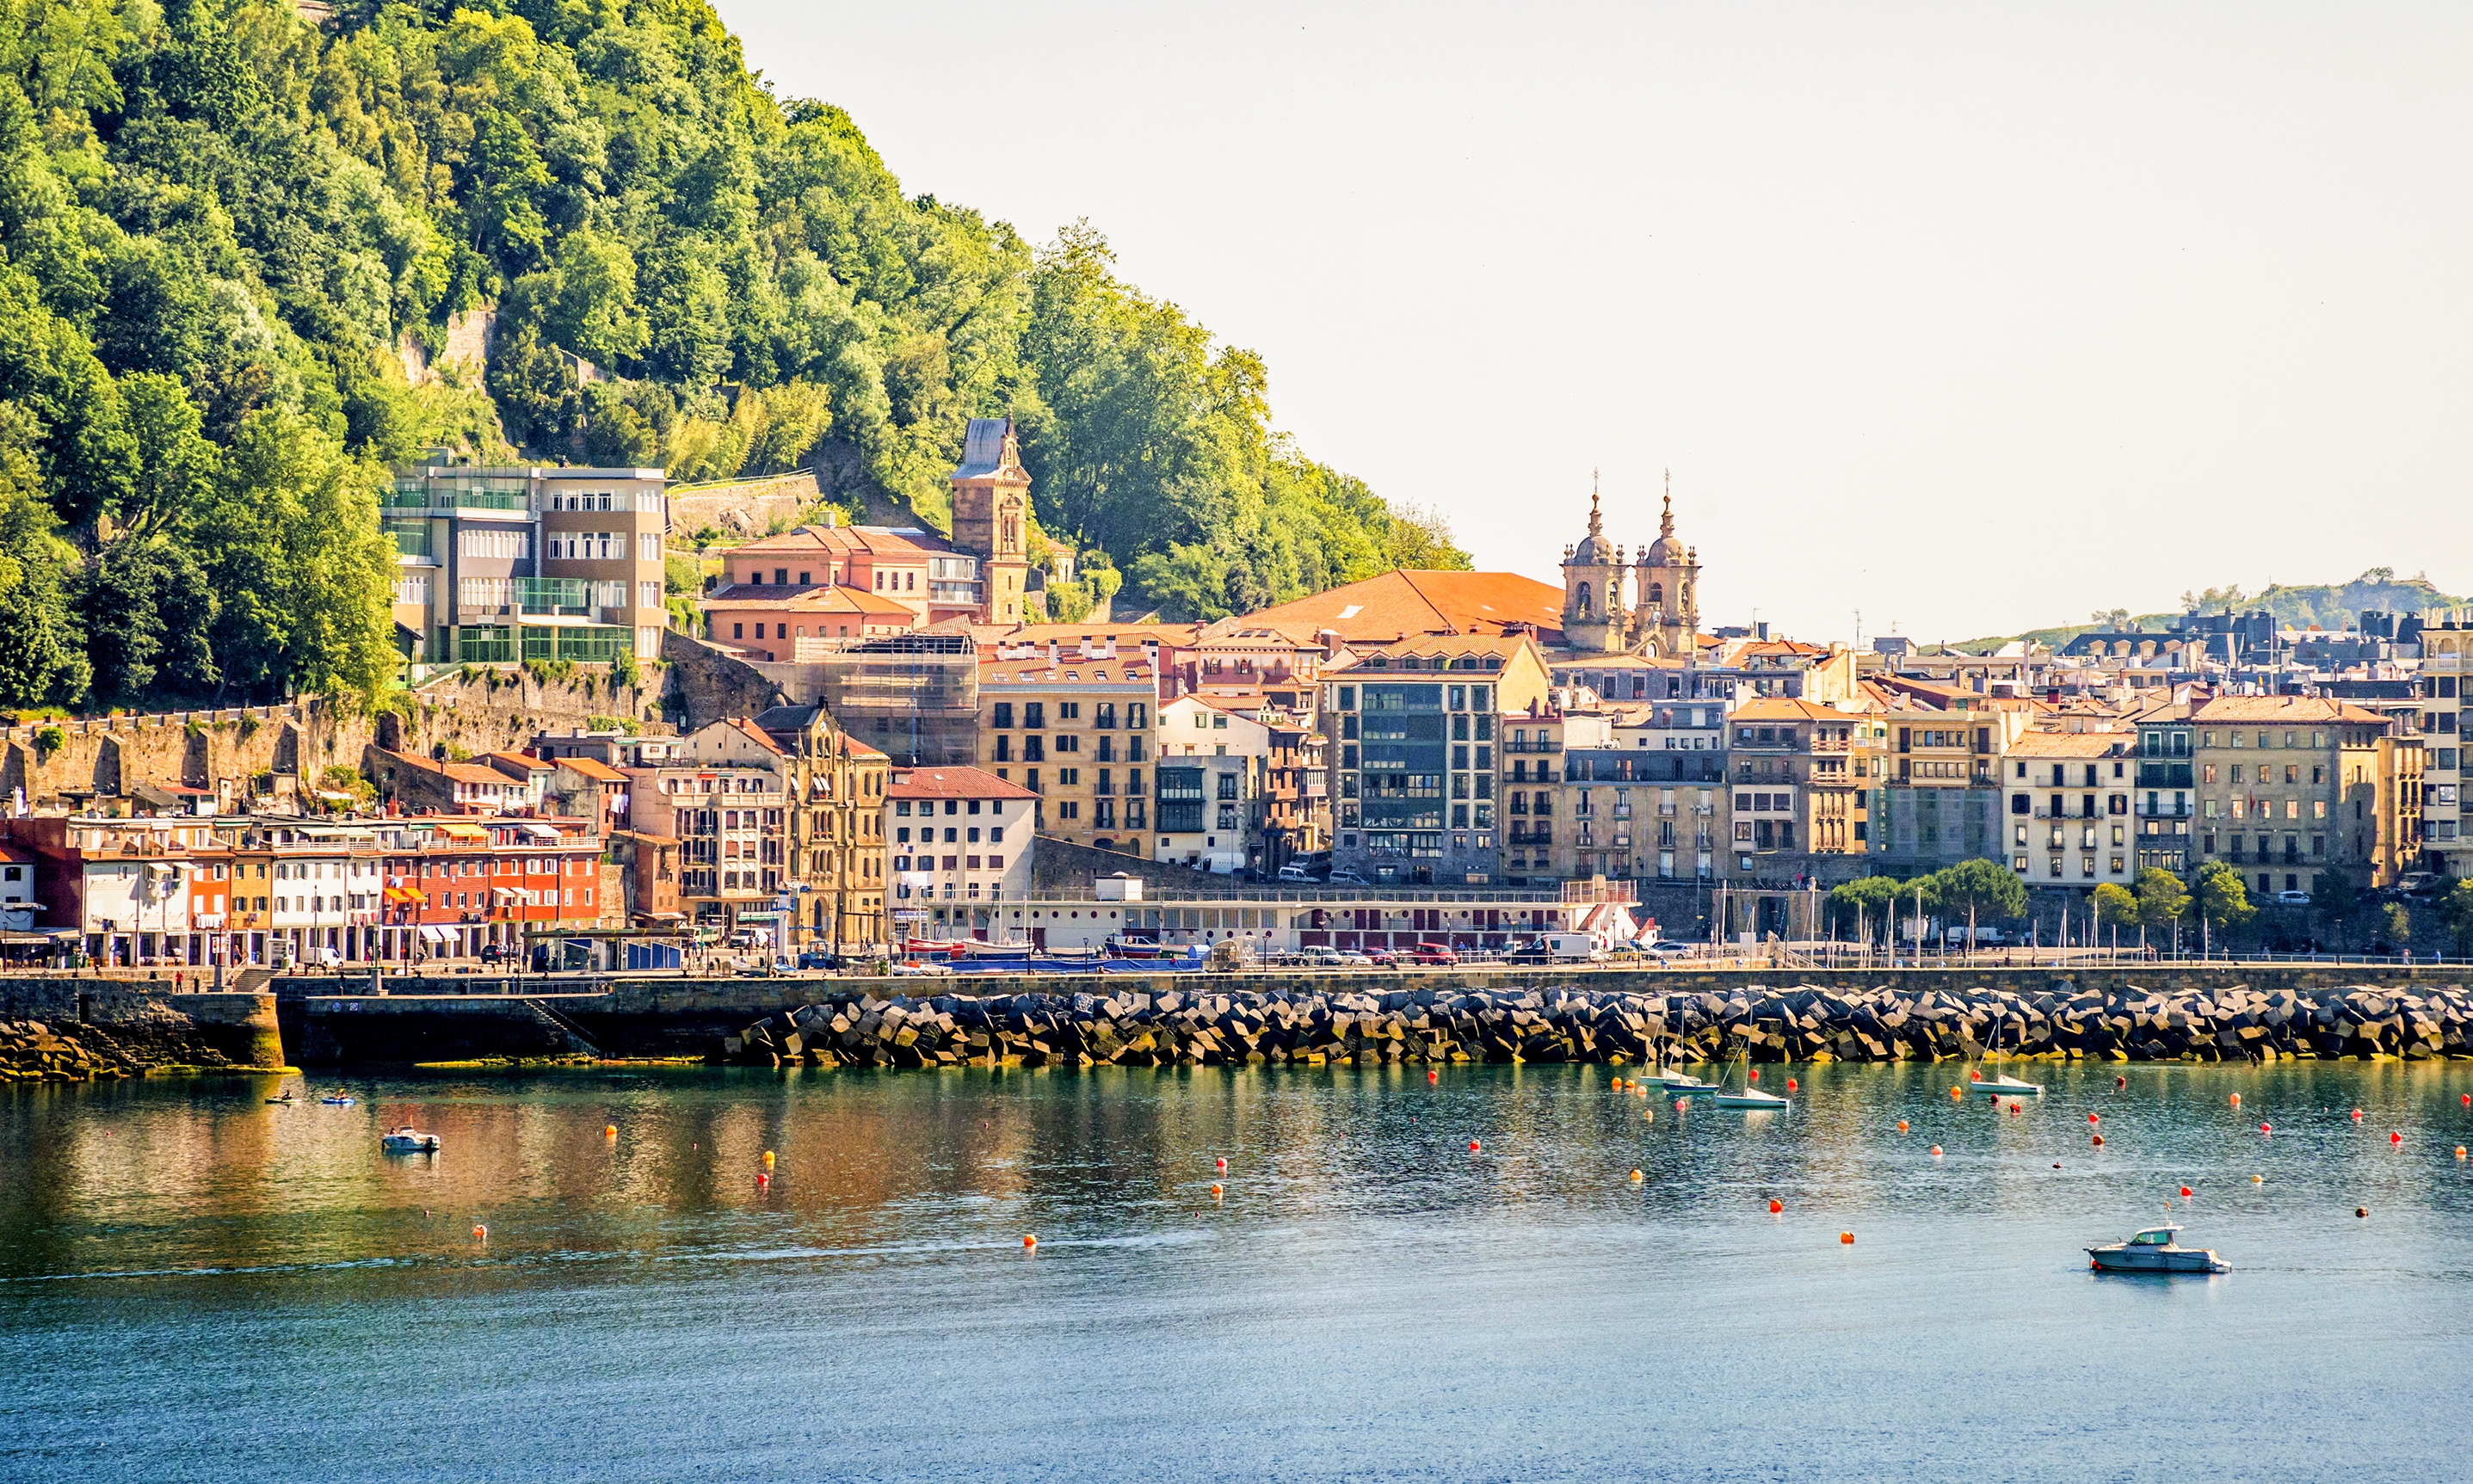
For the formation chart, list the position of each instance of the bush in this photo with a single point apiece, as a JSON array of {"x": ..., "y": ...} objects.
[{"x": 49, "y": 740}]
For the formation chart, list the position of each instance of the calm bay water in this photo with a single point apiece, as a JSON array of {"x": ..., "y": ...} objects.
[{"x": 195, "y": 1286}]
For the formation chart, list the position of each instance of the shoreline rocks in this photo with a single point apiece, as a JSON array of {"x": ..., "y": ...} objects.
[{"x": 1778, "y": 1023}]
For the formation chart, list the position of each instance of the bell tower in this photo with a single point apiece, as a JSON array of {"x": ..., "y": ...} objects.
[
  {"x": 991, "y": 517},
  {"x": 1593, "y": 621},
  {"x": 1668, "y": 583}
]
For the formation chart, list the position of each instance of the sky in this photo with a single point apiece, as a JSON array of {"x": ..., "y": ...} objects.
[{"x": 1965, "y": 318}]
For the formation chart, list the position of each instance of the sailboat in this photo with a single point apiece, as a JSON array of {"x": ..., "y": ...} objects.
[
  {"x": 2001, "y": 1083},
  {"x": 1682, "y": 1083},
  {"x": 1751, "y": 1096}
]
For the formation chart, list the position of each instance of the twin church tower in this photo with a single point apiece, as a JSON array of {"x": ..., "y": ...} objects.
[{"x": 1663, "y": 613}]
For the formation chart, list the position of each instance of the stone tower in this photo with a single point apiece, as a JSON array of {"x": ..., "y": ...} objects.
[
  {"x": 991, "y": 517},
  {"x": 1593, "y": 579},
  {"x": 1667, "y": 618}
]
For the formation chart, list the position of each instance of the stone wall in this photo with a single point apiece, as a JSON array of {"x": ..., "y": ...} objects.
[
  {"x": 745, "y": 508},
  {"x": 703, "y": 685},
  {"x": 66, "y": 1030},
  {"x": 479, "y": 711}
]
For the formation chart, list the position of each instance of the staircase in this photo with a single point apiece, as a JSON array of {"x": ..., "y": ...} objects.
[{"x": 564, "y": 1029}]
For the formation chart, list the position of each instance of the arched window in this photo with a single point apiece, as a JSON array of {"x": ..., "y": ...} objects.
[
  {"x": 1583, "y": 607},
  {"x": 1656, "y": 594}
]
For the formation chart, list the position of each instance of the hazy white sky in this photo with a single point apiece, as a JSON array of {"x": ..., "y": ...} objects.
[{"x": 1971, "y": 317}]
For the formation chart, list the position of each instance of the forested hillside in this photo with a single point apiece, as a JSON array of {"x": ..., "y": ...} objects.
[{"x": 221, "y": 226}]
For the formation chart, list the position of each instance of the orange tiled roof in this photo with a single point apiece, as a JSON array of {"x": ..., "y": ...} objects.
[
  {"x": 1403, "y": 603},
  {"x": 814, "y": 598},
  {"x": 2074, "y": 744},
  {"x": 594, "y": 769},
  {"x": 954, "y": 783},
  {"x": 911, "y": 541},
  {"x": 2286, "y": 709},
  {"x": 1787, "y": 708}
]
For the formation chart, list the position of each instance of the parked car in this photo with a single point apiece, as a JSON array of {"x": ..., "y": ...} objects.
[
  {"x": 1433, "y": 955},
  {"x": 1668, "y": 947},
  {"x": 1346, "y": 878},
  {"x": 818, "y": 958},
  {"x": 2293, "y": 898},
  {"x": 1380, "y": 958},
  {"x": 1292, "y": 871},
  {"x": 2418, "y": 883}
]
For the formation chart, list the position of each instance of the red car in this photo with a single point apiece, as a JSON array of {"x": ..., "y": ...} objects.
[
  {"x": 1434, "y": 954},
  {"x": 1382, "y": 958}
]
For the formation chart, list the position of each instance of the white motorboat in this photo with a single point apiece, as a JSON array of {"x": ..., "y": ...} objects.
[
  {"x": 1749, "y": 1098},
  {"x": 2002, "y": 1084},
  {"x": 409, "y": 1141},
  {"x": 2154, "y": 1251}
]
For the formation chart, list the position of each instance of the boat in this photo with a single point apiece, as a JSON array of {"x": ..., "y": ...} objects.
[
  {"x": 1680, "y": 1083},
  {"x": 2006, "y": 1086},
  {"x": 337, "y": 1100},
  {"x": 1752, "y": 1097},
  {"x": 409, "y": 1141},
  {"x": 2154, "y": 1251},
  {"x": 285, "y": 1101}
]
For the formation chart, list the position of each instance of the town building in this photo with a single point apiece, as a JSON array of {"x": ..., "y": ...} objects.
[
  {"x": 419, "y": 786},
  {"x": 2290, "y": 787},
  {"x": 1942, "y": 801},
  {"x": 1408, "y": 722},
  {"x": 2441, "y": 688},
  {"x": 2165, "y": 802},
  {"x": 500, "y": 564},
  {"x": 1213, "y": 787},
  {"x": 779, "y": 624},
  {"x": 648, "y": 876},
  {"x": 1660, "y": 618},
  {"x": 990, "y": 494},
  {"x": 837, "y": 788},
  {"x": 1800, "y": 800},
  {"x": 2071, "y": 813},
  {"x": 723, "y": 794},
  {"x": 961, "y": 842},
  {"x": 1074, "y": 727}
]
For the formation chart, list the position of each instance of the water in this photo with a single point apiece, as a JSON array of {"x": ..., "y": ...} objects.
[{"x": 197, "y": 1287}]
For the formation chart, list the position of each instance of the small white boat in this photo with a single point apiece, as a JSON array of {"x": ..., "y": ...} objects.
[
  {"x": 1749, "y": 1098},
  {"x": 2154, "y": 1251},
  {"x": 2004, "y": 1085},
  {"x": 409, "y": 1141},
  {"x": 1681, "y": 1083}
]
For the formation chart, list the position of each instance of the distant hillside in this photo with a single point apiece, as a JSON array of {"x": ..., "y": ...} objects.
[{"x": 2328, "y": 605}]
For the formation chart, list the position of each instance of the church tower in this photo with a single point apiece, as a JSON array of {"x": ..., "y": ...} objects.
[
  {"x": 1667, "y": 617},
  {"x": 991, "y": 517},
  {"x": 1593, "y": 579}
]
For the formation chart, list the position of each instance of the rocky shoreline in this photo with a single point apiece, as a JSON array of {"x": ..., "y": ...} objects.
[
  {"x": 35, "y": 1051},
  {"x": 1783, "y": 1023}
]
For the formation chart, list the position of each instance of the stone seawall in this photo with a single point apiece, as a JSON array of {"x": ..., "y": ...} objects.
[
  {"x": 71, "y": 1030},
  {"x": 1544, "y": 1015}
]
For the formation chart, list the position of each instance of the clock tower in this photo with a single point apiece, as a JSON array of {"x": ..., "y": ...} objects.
[{"x": 991, "y": 517}]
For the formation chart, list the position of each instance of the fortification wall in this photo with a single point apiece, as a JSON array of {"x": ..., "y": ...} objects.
[
  {"x": 747, "y": 508},
  {"x": 68, "y": 1030}
]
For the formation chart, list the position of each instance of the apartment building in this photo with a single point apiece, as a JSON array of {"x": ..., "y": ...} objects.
[
  {"x": 1409, "y": 723},
  {"x": 1212, "y": 787},
  {"x": 785, "y": 625},
  {"x": 422, "y": 785},
  {"x": 961, "y": 842},
  {"x": 836, "y": 846},
  {"x": 1943, "y": 801},
  {"x": 2070, "y": 809},
  {"x": 499, "y": 564},
  {"x": 723, "y": 794},
  {"x": 1801, "y": 789},
  {"x": 1542, "y": 774},
  {"x": 2164, "y": 802},
  {"x": 2289, "y": 786},
  {"x": 2446, "y": 672},
  {"x": 1685, "y": 735},
  {"x": 1074, "y": 727},
  {"x": 459, "y": 888}
]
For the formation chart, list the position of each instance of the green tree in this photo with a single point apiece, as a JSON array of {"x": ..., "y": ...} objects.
[
  {"x": 1980, "y": 889},
  {"x": 2456, "y": 914},
  {"x": 148, "y": 612},
  {"x": 2399, "y": 925},
  {"x": 2221, "y": 899},
  {"x": 2116, "y": 906},
  {"x": 1864, "y": 900},
  {"x": 2162, "y": 899}
]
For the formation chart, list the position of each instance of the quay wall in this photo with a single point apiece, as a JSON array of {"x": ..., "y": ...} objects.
[
  {"x": 68, "y": 1030},
  {"x": 2217, "y": 1012}
]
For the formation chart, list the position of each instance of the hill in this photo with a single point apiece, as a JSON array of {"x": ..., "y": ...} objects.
[
  {"x": 2327, "y": 605},
  {"x": 232, "y": 245}
]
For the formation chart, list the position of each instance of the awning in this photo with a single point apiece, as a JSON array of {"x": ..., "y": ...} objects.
[
  {"x": 759, "y": 917},
  {"x": 404, "y": 894},
  {"x": 508, "y": 893},
  {"x": 542, "y": 832},
  {"x": 435, "y": 935},
  {"x": 463, "y": 831}
]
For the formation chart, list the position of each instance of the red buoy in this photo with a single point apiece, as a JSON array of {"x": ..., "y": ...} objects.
[
  {"x": 2395, "y": 1139},
  {"x": 2466, "y": 1100},
  {"x": 1028, "y": 1242},
  {"x": 2094, "y": 1118},
  {"x": 1223, "y": 1162},
  {"x": 1789, "y": 1084},
  {"x": 2185, "y": 1192},
  {"x": 2017, "y": 1109},
  {"x": 2357, "y": 1115},
  {"x": 1472, "y": 1146},
  {"x": 1975, "y": 1076},
  {"x": 2099, "y": 1141},
  {"x": 1756, "y": 1074},
  {"x": 1935, "y": 1151},
  {"x": 2119, "y": 1083},
  {"x": 1845, "y": 1238},
  {"x": 2267, "y": 1129},
  {"x": 1776, "y": 1207},
  {"x": 1433, "y": 1075},
  {"x": 1902, "y": 1125}
]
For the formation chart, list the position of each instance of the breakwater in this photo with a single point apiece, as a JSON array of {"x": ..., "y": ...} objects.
[
  {"x": 1543, "y": 1016},
  {"x": 70, "y": 1030}
]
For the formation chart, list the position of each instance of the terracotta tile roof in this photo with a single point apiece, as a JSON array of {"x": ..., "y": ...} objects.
[
  {"x": 1067, "y": 673},
  {"x": 2075, "y": 744},
  {"x": 594, "y": 768},
  {"x": 1429, "y": 646},
  {"x": 952, "y": 783},
  {"x": 1400, "y": 604},
  {"x": 758, "y": 734},
  {"x": 854, "y": 749},
  {"x": 1789, "y": 708},
  {"x": 523, "y": 760},
  {"x": 816, "y": 598},
  {"x": 895, "y": 541},
  {"x": 473, "y": 773},
  {"x": 2292, "y": 709}
]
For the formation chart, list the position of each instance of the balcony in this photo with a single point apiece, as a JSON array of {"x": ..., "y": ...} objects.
[{"x": 564, "y": 597}]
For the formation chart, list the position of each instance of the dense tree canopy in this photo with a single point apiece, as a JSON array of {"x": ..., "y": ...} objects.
[{"x": 232, "y": 243}]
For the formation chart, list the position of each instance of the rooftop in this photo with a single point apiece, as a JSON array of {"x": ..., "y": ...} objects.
[
  {"x": 1402, "y": 603},
  {"x": 952, "y": 783}
]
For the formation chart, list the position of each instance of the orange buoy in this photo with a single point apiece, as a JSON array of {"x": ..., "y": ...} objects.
[
  {"x": 1215, "y": 1192},
  {"x": 1902, "y": 1125},
  {"x": 1955, "y": 1094},
  {"x": 1472, "y": 1146},
  {"x": 1635, "y": 1177},
  {"x": 1681, "y": 1103},
  {"x": 2119, "y": 1083},
  {"x": 2236, "y": 1100},
  {"x": 1648, "y": 1115},
  {"x": 482, "y": 1233},
  {"x": 2395, "y": 1139},
  {"x": 1789, "y": 1084},
  {"x": 1028, "y": 1241},
  {"x": 2099, "y": 1141},
  {"x": 1845, "y": 1238},
  {"x": 1935, "y": 1151},
  {"x": 2257, "y": 1180},
  {"x": 608, "y": 1130},
  {"x": 2017, "y": 1110},
  {"x": 2185, "y": 1192},
  {"x": 2460, "y": 1151},
  {"x": 768, "y": 1159}
]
